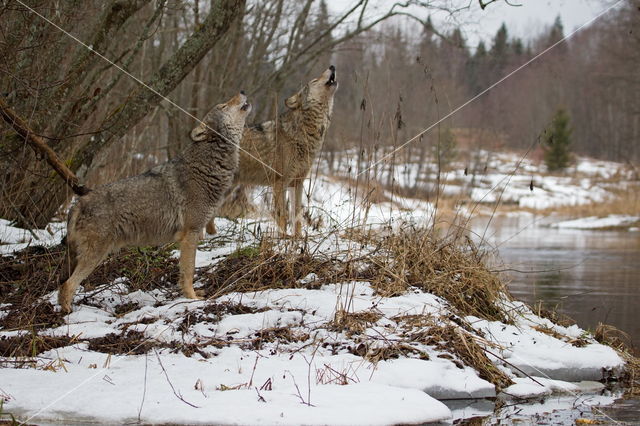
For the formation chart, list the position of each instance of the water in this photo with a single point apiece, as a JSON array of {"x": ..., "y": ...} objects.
[{"x": 591, "y": 276}]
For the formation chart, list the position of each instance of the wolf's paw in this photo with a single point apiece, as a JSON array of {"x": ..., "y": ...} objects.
[
  {"x": 194, "y": 294},
  {"x": 65, "y": 307},
  {"x": 64, "y": 300}
]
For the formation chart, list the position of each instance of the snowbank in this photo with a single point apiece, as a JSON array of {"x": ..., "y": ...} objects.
[
  {"x": 282, "y": 356},
  {"x": 593, "y": 222},
  {"x": 235, "y": 381}
]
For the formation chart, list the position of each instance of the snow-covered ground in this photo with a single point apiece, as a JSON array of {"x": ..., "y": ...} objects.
[
  {"x": 511, "y": 178},
  {"x": 285, "y": 356},
  {"x": 312, "y": 378}
]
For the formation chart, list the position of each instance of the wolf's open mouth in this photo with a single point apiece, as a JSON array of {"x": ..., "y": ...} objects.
[
  {"x": 245, "y": 106},
  {"x": 332, "y": 77}
]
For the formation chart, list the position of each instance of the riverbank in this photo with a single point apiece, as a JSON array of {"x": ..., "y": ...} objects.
[
  {"x": 379, "y": 315},
  {"x": 345, "y": 331}
]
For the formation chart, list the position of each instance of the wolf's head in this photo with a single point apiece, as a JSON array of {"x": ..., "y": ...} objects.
[
  {"x": 317, "y": 92},
  {"x": 227, "y": 119}
]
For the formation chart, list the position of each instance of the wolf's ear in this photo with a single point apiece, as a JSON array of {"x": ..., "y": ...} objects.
[
  {"x": 199, "y": 133},
  {"x": 293, "y": 101}
]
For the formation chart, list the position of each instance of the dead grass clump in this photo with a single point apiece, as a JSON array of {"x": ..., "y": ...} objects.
[
  {"x": 392, "y": 350},
  {"x": 30, "y": 345},
  {"x": 25, "y": 278},
  {"x": 131, "y": 342},
  {"x": 449, "y": 268},
  {"x": 260, "y": 268},
  {"x": 578, "y": 342},
  {"x": 218, "y": 310},
  {"x": 124, "y": 308},
  {"x": 612, "y": 336},
  {"x": 214, "y": 312},
  {"x": 31, "y": 273},
  {"x": 455, "y": 341},
  {"x": 277, "y": 334},
  {"x": 31, "y": 313},
  {"x": 621, "y": 342},
  {"x": 410, "y": 322},
  {"x": 353, "y": 322}
]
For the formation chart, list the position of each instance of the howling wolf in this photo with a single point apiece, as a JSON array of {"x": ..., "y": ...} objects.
[
  {"x": 288, "y": 145},
  {"x": 171, "y": 202}
]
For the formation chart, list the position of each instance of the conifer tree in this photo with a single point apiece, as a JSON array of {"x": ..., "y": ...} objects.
[{"x": 557, "y": 143}]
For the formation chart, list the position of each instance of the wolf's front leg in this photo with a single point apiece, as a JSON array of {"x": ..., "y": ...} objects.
[{"x": 188, "y": 244}]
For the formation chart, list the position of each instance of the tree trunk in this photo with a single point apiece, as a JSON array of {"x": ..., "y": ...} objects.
[{"x": 37, "y": 196}]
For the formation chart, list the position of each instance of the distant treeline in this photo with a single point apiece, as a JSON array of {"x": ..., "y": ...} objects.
[{"x": 400, "y": 81}]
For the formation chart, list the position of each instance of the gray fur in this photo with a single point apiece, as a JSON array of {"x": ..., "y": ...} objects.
[
  {"x": 169, "y": 203},
  {"x": 288, "y": 145}
]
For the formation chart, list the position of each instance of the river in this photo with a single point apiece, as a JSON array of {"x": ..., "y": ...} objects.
[{"x": 589, "y": 275}]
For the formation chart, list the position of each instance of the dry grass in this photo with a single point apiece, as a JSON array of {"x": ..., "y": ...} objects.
[
  {"x": 621, "y": 342},
  {"x": 262, "y": 267},
  {"x": 411, "y": 258},
  {"x": 451, "y": 268},
  {"x": 353, "y": 322},
  {"x": 454, "y": 340}
]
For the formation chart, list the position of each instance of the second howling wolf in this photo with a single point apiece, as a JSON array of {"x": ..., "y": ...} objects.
[{"x": 288, "y": 145}]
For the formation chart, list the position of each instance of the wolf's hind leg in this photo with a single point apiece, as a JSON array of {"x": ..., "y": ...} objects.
[
  {"x": 211, "y": 227},
  {"x": 69, "y": 263},
  {"x": 297, "y": 208},
  {"x": 84, "y": 265},
  {"x": 188, "y": 244},
  {"x": 280, "y": 206}
]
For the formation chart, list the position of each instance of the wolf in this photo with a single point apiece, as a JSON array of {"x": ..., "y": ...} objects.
[
  {"x": 169, "y": 203},
  {"x": 288, "y": 144}
]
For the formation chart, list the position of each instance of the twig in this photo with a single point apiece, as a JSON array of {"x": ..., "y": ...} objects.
[
  {"x": 507, "y": 362},
  {"x": 299, "y": 394},
  {"x": 255, "y": 364},
  {"x": 144, "y": 391},
  {"x": 177, "y": 394},
  {"x": 260, "y": 398}
]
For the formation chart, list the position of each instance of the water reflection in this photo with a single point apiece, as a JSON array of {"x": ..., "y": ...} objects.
[{"x": 592, "y": 276}]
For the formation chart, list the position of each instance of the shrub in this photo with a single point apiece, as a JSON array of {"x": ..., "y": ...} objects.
[{"x": 557, "y": 143}]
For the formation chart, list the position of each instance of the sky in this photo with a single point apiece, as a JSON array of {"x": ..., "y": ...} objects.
[{"x": 524, "y": 21}]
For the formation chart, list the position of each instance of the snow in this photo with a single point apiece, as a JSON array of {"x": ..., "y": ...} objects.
[
  {"x": 343, "y": 388},
  {"x": 593, "y": 222},
  {"x": 535, "y": 352},
  {"x": 14, "y": 239},
  {"x": 117, "y": 393},
  {"x": 318, "y": 375},
  {"x": 533, "y": 386},
  {"x": 507, "y": 178}
]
